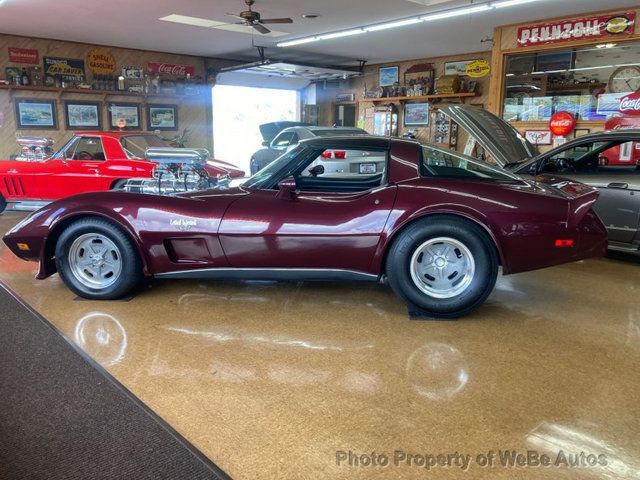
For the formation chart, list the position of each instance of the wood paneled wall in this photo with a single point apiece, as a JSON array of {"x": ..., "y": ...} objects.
[
  {"x": 193, "y": 112},
  {"x": 326, "y": 97}
]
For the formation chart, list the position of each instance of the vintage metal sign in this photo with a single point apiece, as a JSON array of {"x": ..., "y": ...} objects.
[
  {"x": 597, "y": 26},
  {"x": 68, "y": 69},
  {"x": 24, "y": 55},
  {"x": 478, "y": 68},
  {"x": 133, "y": 72},
  {"x": 171, "y": 69},
  {"x": 101, "y": 62},
  {"x": 630, "y": 104},
  {"x": 562, "y": 123}
]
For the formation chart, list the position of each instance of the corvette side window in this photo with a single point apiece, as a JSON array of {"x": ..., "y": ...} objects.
[
  {"x": 89, "y": 148},
  {"x": 344, "y": 171}
]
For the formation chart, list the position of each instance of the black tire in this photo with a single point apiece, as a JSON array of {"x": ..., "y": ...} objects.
[
  {"x": 467, "y": 233},
  {"x": 130, "y": 275},
  {"x": 119, "y": 184},
  {"x": 3, "y": 204}
]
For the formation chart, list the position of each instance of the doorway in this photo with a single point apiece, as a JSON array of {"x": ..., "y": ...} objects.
[
  {"x": 345, "y": 115},
  {"x": 238, "y": 113}
]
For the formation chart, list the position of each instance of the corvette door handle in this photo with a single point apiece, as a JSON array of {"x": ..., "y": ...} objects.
[{"x": 618, "y": 185}]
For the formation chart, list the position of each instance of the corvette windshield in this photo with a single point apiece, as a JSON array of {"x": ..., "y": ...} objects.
[
  {"x": 438, "y": 162},
  {"x": 264, "y": 176}
]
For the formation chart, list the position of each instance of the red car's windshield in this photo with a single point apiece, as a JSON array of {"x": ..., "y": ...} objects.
[{"x": 136, "y": 145}]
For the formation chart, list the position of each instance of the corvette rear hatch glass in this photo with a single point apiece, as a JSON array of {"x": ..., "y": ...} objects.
[
  {"x": 438, "y": 162},
  {"x": 502, "y": 141}
]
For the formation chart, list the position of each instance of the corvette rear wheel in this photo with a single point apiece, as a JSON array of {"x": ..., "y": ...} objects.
[
  {"x": 442, "y": 267},
  {"x": 98, "y": 261}
]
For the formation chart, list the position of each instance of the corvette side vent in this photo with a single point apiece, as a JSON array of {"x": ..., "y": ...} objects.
[{"x": 13, "y": 186}]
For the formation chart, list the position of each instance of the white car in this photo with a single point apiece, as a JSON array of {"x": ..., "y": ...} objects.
[{"x": 334, "y": 161}]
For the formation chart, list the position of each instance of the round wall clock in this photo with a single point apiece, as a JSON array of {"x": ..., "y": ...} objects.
[{"x": 625, "y": 79}]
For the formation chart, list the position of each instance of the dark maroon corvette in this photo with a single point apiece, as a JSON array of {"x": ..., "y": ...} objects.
[{"x": 435, "y": 223}]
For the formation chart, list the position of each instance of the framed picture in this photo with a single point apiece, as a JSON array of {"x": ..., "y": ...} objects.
[
  {"x": 36, "y": 114},
  {"x": 162, "y": 117},
  {"x": 416, "y": 114},
  {"x": 124, "y": 116},
  {"x": 456, "y": 68},
  {"x": 538, "y": 137},
  {"x": 388, "y": 76},
  {"x": 83, "y": 115}
]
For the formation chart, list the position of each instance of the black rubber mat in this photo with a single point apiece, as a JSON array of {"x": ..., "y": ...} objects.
[{"x": 64, "y": 417}]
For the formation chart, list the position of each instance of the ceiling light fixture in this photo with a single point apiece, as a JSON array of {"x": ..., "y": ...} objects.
[
  {"x": 396, "y": 24},
  {"x": 511, "y": 3},
  {"x": 441, "y": 15},
  {"x": 456, "y": 13},
  {"x": 344, "y": 33}
]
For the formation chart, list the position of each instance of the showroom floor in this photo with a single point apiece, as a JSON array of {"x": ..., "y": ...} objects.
[{"x": 271, "y": 380}]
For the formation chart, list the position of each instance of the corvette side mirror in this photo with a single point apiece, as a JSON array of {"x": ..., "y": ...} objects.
[{"x": 287, "y": 189}]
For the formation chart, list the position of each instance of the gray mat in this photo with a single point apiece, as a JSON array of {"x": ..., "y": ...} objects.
[{"x": 64, "y": 417}]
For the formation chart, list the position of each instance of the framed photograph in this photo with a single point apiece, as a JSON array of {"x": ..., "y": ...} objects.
[
  {"x": 416, "y": 114},
  {"x": 538, "y": 137},
  {"x": 162, "y": 117},
  {"x": 456, "y": 68},
  {"x": 82, "y": 115},
  {"x": 36, "y": 114},
  {"x": 124, "y": 116},
  {"x": 388, "y": 76}
]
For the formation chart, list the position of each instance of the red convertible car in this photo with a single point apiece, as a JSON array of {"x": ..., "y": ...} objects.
[
  {"x": 90, "y": 161},
  {"x": 435, "y": 223}
]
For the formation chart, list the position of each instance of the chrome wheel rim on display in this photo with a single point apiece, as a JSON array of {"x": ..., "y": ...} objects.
[
  {"x": 442, "y": 267},
  {"x": 95, "y": 261}
]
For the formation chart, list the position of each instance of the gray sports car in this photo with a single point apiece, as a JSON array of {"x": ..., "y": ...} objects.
[{"x": 605, "y": 160}]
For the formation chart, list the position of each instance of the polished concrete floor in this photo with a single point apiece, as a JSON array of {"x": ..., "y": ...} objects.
[{"x": 272, "y": 380}]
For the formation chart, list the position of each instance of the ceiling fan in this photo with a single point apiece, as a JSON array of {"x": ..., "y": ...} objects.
[{"x": 252, "y": 19}]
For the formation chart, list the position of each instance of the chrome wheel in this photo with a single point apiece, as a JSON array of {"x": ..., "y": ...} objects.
[
  {"x": 442, "y": 267},
  {"x": 95, "y": 261}
]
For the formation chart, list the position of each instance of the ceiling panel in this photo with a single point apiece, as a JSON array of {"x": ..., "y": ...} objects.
[{"x": 136, "y": 24}]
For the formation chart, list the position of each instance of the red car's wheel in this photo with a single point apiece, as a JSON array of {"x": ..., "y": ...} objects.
[
  {"x": 3, "y": 204},
  {"x": 442, "y": 266},
  {"x": 97, "y": 260}
]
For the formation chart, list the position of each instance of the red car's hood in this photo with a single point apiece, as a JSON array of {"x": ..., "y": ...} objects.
[{"x": 216, "y": 168}]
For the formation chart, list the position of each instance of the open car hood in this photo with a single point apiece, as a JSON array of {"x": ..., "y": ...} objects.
[
  {"x": 502, "y": 141},
  {"x": 269, "y": 131}
]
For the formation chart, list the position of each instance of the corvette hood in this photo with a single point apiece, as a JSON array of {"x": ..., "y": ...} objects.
[{"x": 502, "y": 141}]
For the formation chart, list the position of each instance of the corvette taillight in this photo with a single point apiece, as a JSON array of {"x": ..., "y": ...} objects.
[
  {"x": 337, "y": 154},
  {"x": 564, "y": 243}
]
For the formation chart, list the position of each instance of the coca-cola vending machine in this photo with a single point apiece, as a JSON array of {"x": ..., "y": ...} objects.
[{"x": 627, "y": 153}]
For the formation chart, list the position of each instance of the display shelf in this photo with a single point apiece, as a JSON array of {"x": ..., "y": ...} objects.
[
  {"x": 82, "y": 91},
  {"x": 403, "y": 100}
]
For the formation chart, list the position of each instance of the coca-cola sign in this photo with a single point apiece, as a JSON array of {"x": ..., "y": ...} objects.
[
  {"x": 630, "y": 104},
  {"x": 562, "y": 123},
  {"x": 171, "y": 69}
]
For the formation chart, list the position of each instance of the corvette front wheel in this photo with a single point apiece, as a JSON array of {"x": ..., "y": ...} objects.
[
  {"x": 3, "y": 204},
  {"x": 442, "y": 267},
  {"x": 98, "y": 261}
]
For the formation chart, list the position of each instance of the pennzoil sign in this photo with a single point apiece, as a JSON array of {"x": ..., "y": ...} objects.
[{"x": 599, "y": 26}]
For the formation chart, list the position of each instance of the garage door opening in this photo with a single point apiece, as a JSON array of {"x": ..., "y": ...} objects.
[{"x": 237, "y": 114}]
